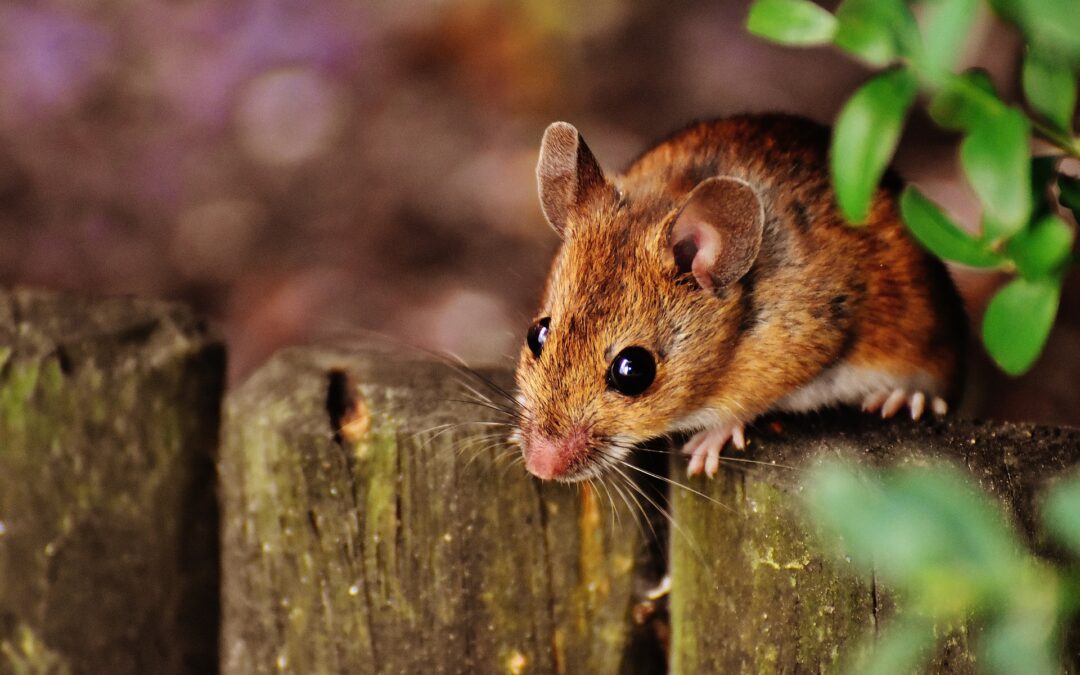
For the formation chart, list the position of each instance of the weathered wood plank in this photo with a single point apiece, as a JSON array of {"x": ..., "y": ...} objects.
[
  {"x": 752, "y": 591},
  {"x": 401, "y": 545},
  {"x": 109, "y": 415}
]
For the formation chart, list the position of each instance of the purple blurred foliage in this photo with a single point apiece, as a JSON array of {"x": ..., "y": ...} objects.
[
  {"x": 212, "y": 48},
  {"x": 50, "y": 60}
]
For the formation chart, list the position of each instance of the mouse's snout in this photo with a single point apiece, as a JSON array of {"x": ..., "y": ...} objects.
[{"x": 557, "y": 458}]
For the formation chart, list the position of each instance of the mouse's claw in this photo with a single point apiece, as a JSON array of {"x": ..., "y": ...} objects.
[
  {"x": 705, "y": 446},
  {"x": 891, "y": 402}
]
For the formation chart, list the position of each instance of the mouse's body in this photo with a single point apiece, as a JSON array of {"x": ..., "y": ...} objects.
[{"x": 716, "y": 280}]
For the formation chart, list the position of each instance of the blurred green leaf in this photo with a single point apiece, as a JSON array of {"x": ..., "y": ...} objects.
[
  {"x": 974, "y": 544},
  {"x": 1043, "y": 248},
  {"x": 927, "y": 533},
  {"x": 964, "y": 100},
  {"x": 1023, "y": 642},
  {"x": 996, "y": 159},
  {"x": 792, "y": 22},
  {"x": 1061, "y": 513},
  {"x": 934, "y": 230},
  {"x": 833, "y": 489},
  {"x": 1070, "y": 193},
  {"x": 1050, "y": 88},
  {"x": 867, "y": 131},
  {"x": 945, "y": 548},
  {"x": 946, "y": 24},
  {"x": 1018, "y": 321},
  {"x": 1049, "y": 25},
  {"x": 903, "y": 644},
  {"x": 877, "y": 31}
]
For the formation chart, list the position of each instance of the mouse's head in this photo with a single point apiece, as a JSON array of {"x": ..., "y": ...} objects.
[{"x": 640, "y": 306}]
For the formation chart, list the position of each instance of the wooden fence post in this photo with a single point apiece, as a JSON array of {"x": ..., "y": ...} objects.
[
  {"x": 364, "y": 535},
  {"x": 753, "y": 593},
  {"x": 109, "y": 416}
]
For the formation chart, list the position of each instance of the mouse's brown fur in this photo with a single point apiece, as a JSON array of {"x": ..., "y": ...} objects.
[{"x": 819, "y": 295}]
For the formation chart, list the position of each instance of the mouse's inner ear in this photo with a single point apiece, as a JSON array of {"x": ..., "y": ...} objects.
[
  {"x": 567, "y": 175},
  {"x": 717, "y": 234}
]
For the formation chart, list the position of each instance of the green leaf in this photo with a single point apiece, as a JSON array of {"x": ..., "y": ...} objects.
[
  {"x": 1018, "y": 321},
  {"x": 905, "y": 642},
  {"x": 1050, "y": 88},
  {"x": 934, "y": 230},
  {"x": 849, "y": 506},
  {"x": 946, "y": 24},
  {"x": 1070, "y": 193},
  {"x": 1061, "y": 512},
  {"x": 1043, "y": 173},
  {"x": 877, "y": 31},
  {"x": 965, "y": 100},
  {"x": 1048, "y": 25},
  {"x": 955, "y": 535},
  {"x": 791, "y": 22},
  {"x": 996, "y": 159},
  {"x": 1023, "y": 642},
  {"x": 867, "y": 131},
  {"x": 1043, "y": 248},
  {"x": 926, "y": 532}
]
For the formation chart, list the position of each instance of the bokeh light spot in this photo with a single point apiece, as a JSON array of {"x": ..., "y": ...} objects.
[{"x": 289, "y": 115}]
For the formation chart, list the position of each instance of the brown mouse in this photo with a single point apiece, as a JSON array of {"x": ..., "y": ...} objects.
[{"x": 716, "y": 280}]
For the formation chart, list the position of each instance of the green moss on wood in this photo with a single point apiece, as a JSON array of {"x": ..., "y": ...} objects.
[
  {"x": 24, "y": 653},
  {"x": 105, "y": 469}
]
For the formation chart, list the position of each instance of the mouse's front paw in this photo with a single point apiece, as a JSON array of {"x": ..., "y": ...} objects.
[
  {"x": 704, "y": 447},
  {"x": 891, "y": 402}
]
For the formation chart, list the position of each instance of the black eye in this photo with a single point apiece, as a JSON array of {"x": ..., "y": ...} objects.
[
  {"x": 632, "y": 371},
  {"x": 537, "y": 336}
]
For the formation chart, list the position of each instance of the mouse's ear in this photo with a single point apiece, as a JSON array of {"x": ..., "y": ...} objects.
[
  {"x": 567, "y": 174},
  {"x": 717, "y": 234}
]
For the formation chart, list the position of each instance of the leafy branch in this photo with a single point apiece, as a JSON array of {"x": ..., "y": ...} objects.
[{"x": 1022, "y": 231}]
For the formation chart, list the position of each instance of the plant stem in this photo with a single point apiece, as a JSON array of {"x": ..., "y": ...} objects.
[
  {"x": 1062, "y": 140},
  {"x": 932, "y": 84}
]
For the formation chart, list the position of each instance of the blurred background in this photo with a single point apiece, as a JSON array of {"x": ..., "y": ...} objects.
[{"x": 302, "y": 169}]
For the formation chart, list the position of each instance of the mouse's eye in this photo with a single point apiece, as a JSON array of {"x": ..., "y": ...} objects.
[
  {"x": 537, "y": 336},
  {"x": 632, "y": 371}
]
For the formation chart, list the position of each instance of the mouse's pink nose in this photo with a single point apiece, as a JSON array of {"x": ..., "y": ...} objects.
[{"x": 547, "y": 459}]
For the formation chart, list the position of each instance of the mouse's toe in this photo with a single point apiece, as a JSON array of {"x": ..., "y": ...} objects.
[
  {"x": 705, "y": 446},
  {"x": 890, "y": 402}
]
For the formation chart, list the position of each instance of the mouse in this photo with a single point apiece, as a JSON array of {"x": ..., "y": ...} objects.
[{"x": 713, "y": 281}]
